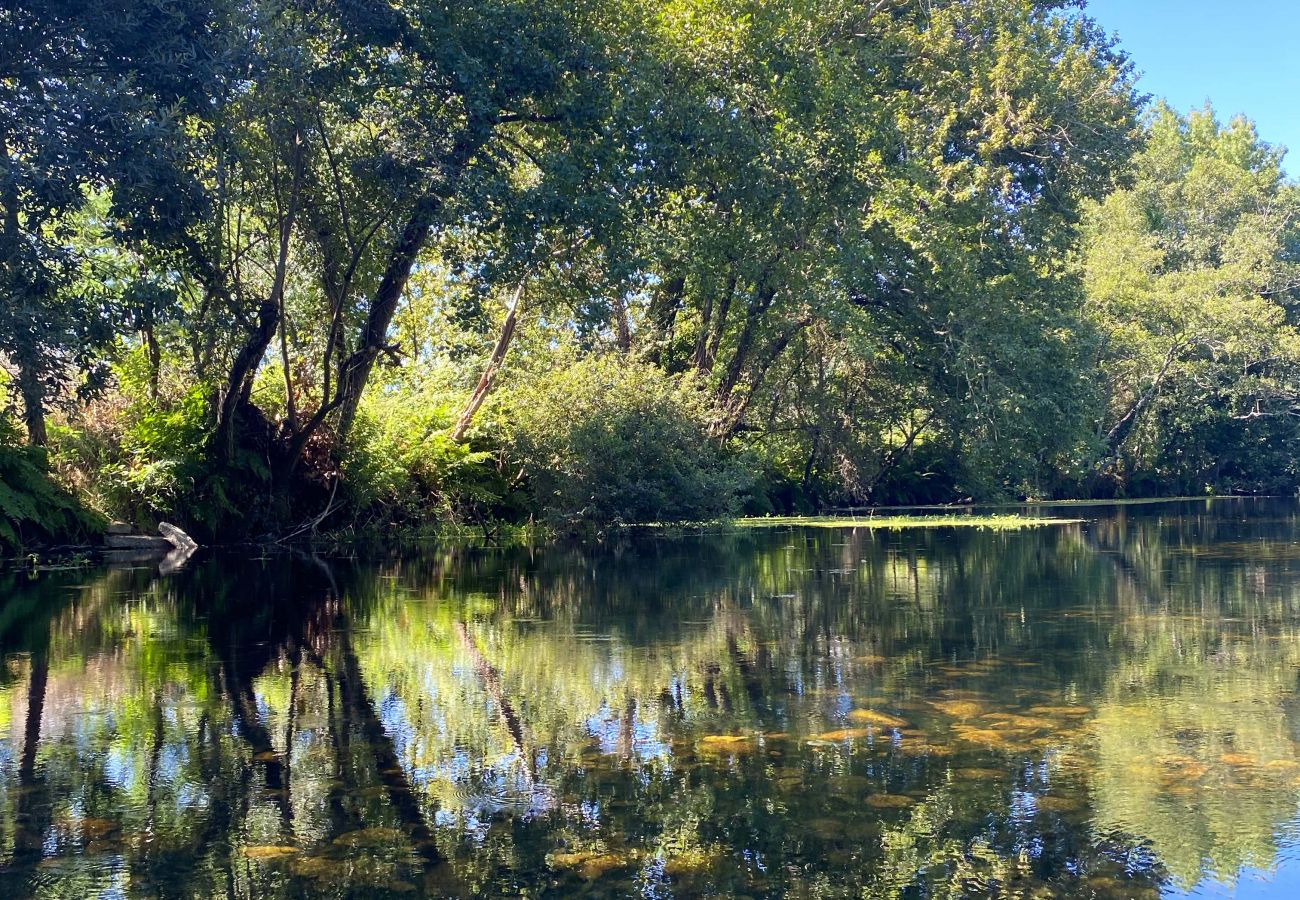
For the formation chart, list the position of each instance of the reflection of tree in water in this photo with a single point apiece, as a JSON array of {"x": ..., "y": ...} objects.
[
  {"x": 173, "y": 749},
  {"x": 1196, "y": 727},
  {"x": 814, "y": 714}
]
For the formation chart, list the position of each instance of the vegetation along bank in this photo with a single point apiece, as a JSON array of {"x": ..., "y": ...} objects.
[{"x": 275, "y": 269}]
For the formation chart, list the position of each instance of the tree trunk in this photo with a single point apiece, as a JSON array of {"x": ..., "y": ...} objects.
[
  {"x": 738, "y": 405},
  {"x": 491, "y": 680},
  {"x": 401, "y": 260},
  {"x": 711, "y": 339},
  {"x": 702, "y": 339},
  {"x": 622, "y": 327},
  {"x": 290, "y": 404},
  {"x": 239, "y": 381},
  {"x": 489, "y": 375},
  {"x": 154, "y": 354},
  {"x": 402, "y": 797},
  {"x": 33, "y": 393},
  {"x": 30, "y": 816},
  {"x": 662, "y": 316},
  {"x": 763, "y": 297},
  {"x": 1121, "y": 429},
  {"x": 374, "y": 336}
]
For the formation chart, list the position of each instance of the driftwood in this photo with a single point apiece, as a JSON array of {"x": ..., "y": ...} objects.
[
  {"x": 177, "y": 538},
  {"x": 128, "y": 548}
]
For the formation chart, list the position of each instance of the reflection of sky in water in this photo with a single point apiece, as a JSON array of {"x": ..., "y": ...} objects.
[
  {"x": 1280, "y": 881},
  {"x": 1104, "y": 708}
]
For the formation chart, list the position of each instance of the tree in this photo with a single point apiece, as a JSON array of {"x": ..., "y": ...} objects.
[
  {"x": 913, "y": 182},
  {"x": 1192, "y": 277},
  {"x": 89, "y": 101},
  {"x": 365, "y": 131}
]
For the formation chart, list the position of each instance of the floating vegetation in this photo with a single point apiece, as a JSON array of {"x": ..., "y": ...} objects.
[
  {"x": 826, "y": 828},
  {"x": 920, "y": 745},
  {"x": 98, "y": 828},
  {"x": 977, "y": 774},
  {"x": 693, "y": 861},
  {"x": 1060, "y": 710},
  {"x": 590, "y": 864},
  {"x": 727, "y": 743},
  {"x": 960, "y": 709},
  {"x": 1013, "y": 720},
  {"x": 850, "y": 784},
  {"x": 843, "y": 734},
  {"x": 370, "y": 837},
  {"x": 1055, "y": 803},
  {"x": 997, "y": 522},
  {"x": 354, "y": 868},
  {"x": 987, "y": 737}
]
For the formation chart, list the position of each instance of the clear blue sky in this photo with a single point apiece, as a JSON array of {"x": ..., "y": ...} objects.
[{"x": 1242, "y": 55}]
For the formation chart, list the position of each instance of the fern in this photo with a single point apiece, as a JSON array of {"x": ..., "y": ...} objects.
[{"x": 33, "y": 508}]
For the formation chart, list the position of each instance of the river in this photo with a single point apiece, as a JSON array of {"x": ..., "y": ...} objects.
[{"x": 1100, "y": 708}]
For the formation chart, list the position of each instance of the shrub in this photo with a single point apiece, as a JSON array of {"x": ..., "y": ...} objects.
[
  {"x": 163, "y": 467},
  {"x": 401, "y": 467},
  {"x": 608, "y": 440},
  {"x": 33, "y": 508}
]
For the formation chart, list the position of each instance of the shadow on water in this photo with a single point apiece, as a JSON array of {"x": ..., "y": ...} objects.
[{"x": 1107, "y": 709}]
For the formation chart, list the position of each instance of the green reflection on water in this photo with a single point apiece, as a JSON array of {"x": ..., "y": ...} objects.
[{"x": 1101, "y": 709}]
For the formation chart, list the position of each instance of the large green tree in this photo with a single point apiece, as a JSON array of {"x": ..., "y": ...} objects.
[
  {"x": 1192, "y": 279},
  {"x": 892, "y": 263},
  {"x": 92, "y": 99},
  {"x": 363, "y": 131}
]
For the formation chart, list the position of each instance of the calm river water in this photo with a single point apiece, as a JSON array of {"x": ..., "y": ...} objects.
[{"x": 1103, "y": 709}]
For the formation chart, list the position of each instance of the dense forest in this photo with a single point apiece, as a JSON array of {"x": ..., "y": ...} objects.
[{"x": 271, "y": 268}]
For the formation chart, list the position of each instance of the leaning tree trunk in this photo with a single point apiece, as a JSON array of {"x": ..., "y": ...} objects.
[
  {"x": 239, "y": 381},
  {"x": 397, "y": 271},
  {"x": 1121, "y": 429},
  {"x": 374, "y": 336},
  {"x": 31, "y": 810},
  {"x": 484, "y": 386},
  {"x": 153, "y": 353},
  {"x": 661, "y": 317}
]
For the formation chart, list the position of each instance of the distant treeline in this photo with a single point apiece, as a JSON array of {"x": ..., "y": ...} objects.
[{"x": 276, "y": 268}]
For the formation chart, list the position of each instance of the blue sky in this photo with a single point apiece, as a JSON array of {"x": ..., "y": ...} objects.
[{"x": 1243, "y": 55}]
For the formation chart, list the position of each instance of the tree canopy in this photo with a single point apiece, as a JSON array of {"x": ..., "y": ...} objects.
[{"x": 285, "y": 265}]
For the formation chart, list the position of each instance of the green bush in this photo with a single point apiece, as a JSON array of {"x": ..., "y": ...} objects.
[
  {"x": 34, "y": 510},
  {"x": 607, "y": 441},
  {"x": 163, "y": 467},
  {"x": 402, "y": 468}
]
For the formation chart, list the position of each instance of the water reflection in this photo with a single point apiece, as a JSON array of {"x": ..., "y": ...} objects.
[{"x": 1103, "y": 710}]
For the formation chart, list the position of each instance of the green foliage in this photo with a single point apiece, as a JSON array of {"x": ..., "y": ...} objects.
[
  {"x": 1191, "y": 278},
  {"x": 606, "y": 441},
  {"x": 876, "y": 251},
  {"x": 402, "y": 468},
  {"x": 161, "y": 469},
  {"x": 91, "y": 118},
  {"x": 34, "y": 510}
]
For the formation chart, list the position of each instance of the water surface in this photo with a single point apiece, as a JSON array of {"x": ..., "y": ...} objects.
[{"x": 1106, "y": 709}]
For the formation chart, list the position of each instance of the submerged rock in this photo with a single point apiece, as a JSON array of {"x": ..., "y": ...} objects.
[
  {"x": 272, "y": 851},
  {"x": 871, "y": 717}
]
